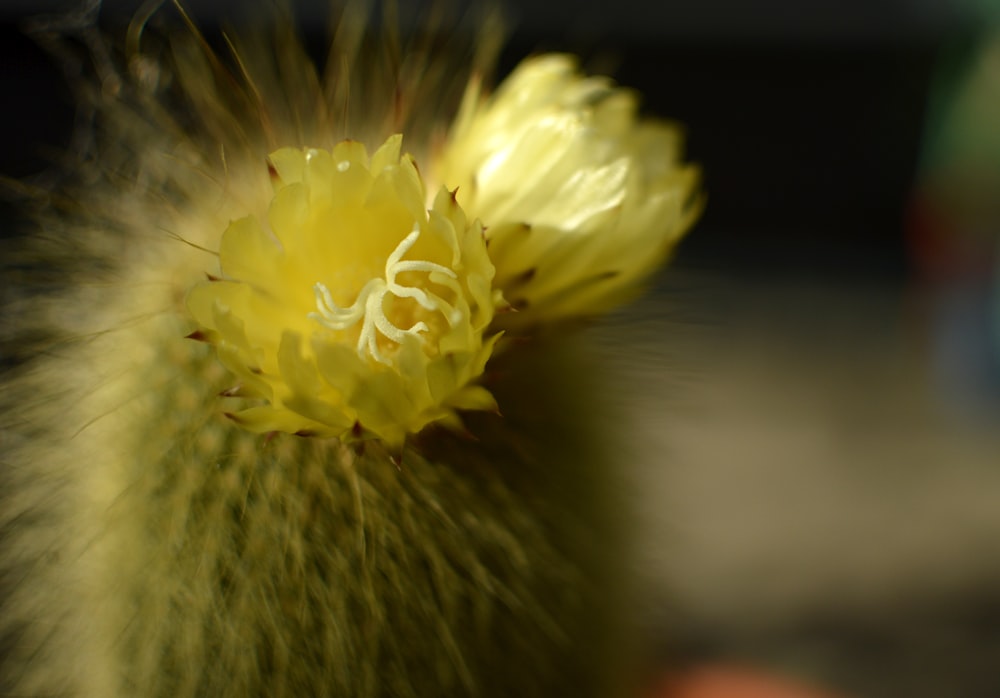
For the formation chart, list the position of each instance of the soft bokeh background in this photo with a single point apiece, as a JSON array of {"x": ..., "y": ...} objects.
[{"x": 818, "y": 420}]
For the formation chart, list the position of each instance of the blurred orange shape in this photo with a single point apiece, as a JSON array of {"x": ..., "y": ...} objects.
[{"x": 734, "y": 682}]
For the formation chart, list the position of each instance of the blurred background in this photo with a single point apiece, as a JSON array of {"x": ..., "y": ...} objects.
[{"x": 814, "y": 385}]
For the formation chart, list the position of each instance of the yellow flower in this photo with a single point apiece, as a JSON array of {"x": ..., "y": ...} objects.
[
  {"x": 356, "y": 307},
  {"x": 581, "y": 200}
]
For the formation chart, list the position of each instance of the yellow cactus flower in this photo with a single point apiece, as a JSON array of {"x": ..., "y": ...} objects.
[
  {"x": 581, "y": 200},
  {"x": 356, "y": 307}
]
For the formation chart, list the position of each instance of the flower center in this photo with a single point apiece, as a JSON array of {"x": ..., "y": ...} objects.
[{"x": 369, "y": 309}]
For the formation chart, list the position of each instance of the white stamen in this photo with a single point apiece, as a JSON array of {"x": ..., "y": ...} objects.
[{"x": 368, "y": 305}]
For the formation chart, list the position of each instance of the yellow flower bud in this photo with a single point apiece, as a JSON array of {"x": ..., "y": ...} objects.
[
  {"x": 355, "y": 306},
  {"x": 581, "y": 200}
]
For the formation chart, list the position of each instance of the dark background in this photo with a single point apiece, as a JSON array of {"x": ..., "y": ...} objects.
[{"x": 807, "y": 111}]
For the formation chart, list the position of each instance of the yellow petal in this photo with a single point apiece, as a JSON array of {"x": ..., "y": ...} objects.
[{"x": 247, "y": 252}]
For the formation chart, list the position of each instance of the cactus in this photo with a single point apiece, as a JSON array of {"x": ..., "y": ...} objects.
[{"x": 189, "y": 510}]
